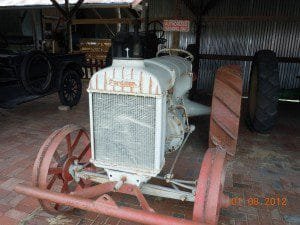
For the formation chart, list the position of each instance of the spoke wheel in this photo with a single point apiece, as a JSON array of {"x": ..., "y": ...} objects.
[
  {"x": 157, "y": 28},
  {"x": 209, "y": 197},
  {"x": 70, "y": 87},
  {"x": 57, "y": 154}
]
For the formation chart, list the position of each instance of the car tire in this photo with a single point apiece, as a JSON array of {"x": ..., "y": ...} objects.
[
  {"x": 36, "y": 72},
  {"x": 263, "y": 92}
]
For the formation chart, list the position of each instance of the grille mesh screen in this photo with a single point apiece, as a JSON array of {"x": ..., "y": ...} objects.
[{"x": 124, "y": 131}]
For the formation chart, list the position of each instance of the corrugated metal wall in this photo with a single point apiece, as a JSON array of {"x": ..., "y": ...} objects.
[
  {"x": 245, "y": 38},
  {"x": 242, "y": 38}
]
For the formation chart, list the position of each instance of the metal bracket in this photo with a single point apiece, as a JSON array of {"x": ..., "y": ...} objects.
[{"x": 148, "y": 189}]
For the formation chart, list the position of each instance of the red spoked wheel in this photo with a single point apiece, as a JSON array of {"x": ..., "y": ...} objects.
[
  {"x": 209, "y": 197},
  {"x": 57, "y": 154}
]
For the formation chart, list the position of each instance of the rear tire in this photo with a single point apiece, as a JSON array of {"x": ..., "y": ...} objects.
[
  {"x": 36, "y": 72},
  {"x": 263, "y": 92}
]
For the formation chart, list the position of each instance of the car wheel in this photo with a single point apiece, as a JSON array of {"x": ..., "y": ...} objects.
[
  {"x": 70, "y": 87},
  {"x": 36, "y": 72}
]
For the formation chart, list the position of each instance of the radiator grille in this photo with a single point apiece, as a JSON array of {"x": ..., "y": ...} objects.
[{"x": 124, "y": 131}]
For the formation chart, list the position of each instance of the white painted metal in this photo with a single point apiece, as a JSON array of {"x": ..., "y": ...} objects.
[
  {"x": 195, "y": 109},
  {"x": 131, "y": 178},
  {"x": 171, "y": 51},
  {"x": 167, "y": 79},
  {"x": 91, "y": 123}
]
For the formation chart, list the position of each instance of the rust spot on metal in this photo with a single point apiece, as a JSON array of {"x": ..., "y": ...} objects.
[
  {"x": 123, "y": 77},
  {"x": 105, "y": 81},
  {"x": 150, "y": 86},
  {"x": 114, "y": 77},
  {"x": 131, "y": 74},
  {"x": 122, "y": 84},
  {"x": 131, "y": 77},
  {"x": 141, "y": 82},
  {"x": 97, "y": 82}
]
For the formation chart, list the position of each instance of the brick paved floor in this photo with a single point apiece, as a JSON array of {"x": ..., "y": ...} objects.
[{"x": 265, "y": 166}]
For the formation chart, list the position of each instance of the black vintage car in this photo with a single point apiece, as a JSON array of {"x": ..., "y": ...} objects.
[{"x": 28, "y": 74}]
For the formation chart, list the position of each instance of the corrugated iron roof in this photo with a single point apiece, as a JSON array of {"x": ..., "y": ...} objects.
[{"x": 31, "y": 3}]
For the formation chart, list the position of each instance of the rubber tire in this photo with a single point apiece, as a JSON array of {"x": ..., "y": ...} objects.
[
  {"x": 24, "y": 73},
  {"x": 263, "y": 92},
  {"x": 77, "y": 78}
]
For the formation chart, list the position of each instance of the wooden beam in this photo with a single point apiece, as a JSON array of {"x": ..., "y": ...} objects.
[
  {"x": 60, "y": 9},
  {"x": 69, "y": 27},
  {"x": 75, "y": 8},
  {"x": 203, "y": 19},
  {"x": 118, "y": 20},
  {"x": 245, "y": 58},
  {"x": 206, "y": 8},
  {"x": 102, "y": 21}
]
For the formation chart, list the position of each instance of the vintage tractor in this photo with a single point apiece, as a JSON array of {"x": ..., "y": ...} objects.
[{"x": 139, "y": 111}]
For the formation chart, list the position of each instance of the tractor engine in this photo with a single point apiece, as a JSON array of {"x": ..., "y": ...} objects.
[{"x": 139, "y": 111}]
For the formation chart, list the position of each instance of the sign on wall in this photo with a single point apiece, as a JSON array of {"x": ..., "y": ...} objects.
[{"x": 177, "y": 25}]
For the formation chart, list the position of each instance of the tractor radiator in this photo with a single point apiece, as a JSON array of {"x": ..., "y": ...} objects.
[{"x": 124, "y": 132}]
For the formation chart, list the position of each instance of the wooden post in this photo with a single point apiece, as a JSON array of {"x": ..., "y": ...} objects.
[
  {"x": 91, "y": 68},
  {"x": 196, "y": 62},
  {"x": 198, "y": 36},
  {"x": 86, "y": 71},
  {"x": 176, "y": 39},
  {"x": 146, "y": 8},
  {"x": 96, "y": 65},
  {"x": 69, "y": 27}
]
